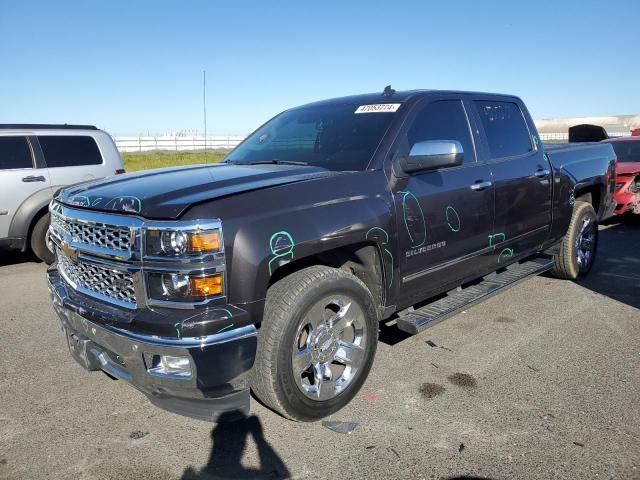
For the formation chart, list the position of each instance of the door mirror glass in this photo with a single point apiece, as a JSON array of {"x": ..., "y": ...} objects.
[{"x": 431, "y": 155}]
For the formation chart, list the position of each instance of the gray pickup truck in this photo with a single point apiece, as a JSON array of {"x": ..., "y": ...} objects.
[{"x": 272, "y": 270}]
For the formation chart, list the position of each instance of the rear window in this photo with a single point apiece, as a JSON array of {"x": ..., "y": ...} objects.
[
  {"x": 69, "y": 151},
  {"x": 505, "y": 128},
  {"x": 627, "y": 151},
  {"x": 15, "y": 153}
]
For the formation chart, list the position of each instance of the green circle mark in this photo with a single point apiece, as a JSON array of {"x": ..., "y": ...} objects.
[
  {"x": 280, "y": 253},
  {"x": 449, "y": 211}
]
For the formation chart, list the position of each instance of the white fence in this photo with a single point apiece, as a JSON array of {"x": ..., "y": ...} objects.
[{"x": 145, "y": 144}]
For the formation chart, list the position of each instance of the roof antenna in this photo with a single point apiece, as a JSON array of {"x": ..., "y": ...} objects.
[{"x": 388, "y": 91}]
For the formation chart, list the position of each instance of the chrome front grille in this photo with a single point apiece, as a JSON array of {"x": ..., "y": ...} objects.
[
  {"x": 98, "y": 235},
  {"x": 103, "y": 282}
]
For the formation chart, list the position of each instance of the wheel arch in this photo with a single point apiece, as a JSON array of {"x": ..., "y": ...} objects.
[{"x": 362, "y": 259}]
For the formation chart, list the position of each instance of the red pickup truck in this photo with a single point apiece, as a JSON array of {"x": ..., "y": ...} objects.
[{"x": 627, "y": 191}]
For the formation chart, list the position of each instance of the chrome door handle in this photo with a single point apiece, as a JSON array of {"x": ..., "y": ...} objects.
[
  {"x": 476, "y": 187},
  {"x": 32, "y": 178},
  {"x": 542, "y": 173}
]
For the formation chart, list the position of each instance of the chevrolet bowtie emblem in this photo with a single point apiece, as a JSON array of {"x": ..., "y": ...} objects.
[{"x": 69, "y": 251}]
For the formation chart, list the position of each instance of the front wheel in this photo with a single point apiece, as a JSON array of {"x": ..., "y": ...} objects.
[
  {"x": 316, "y": 343},
  {"x": 579, "y": 245},
  {"x": 39, "y": 240}
]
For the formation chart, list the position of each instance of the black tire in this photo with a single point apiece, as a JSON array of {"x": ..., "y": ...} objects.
[
  {"x": 566, "y": 264},
  {"x": 39, "y": 240},
  {"x": 273, "y": 380}
]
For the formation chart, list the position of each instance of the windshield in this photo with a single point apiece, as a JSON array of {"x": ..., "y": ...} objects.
[
  {"x": 334, "y": 137},
  {"x": 627, "y": 151}
]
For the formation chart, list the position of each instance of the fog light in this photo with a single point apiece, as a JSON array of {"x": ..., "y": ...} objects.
[
  {"x": 206, "y": 286},
  {"x": 166, "y": 365}
]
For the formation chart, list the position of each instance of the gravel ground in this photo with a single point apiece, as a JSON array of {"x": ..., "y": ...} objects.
[{"x": 541, "y": 381}]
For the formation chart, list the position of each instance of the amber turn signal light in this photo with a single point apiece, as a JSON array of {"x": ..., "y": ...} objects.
[
  {"x": 206, "y": 286},
  {"x": 200, "y": 242}
]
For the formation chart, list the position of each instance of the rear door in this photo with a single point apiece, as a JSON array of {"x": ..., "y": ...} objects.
[
  {"x": 443, "y": 216},
  {"x": 20, "y": 177},
  {"x": 521, "y": 177},
  {"x": 71, "y": 158}
]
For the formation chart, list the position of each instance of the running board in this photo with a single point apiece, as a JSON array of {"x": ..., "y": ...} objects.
[{"x": 414, "y": 321}]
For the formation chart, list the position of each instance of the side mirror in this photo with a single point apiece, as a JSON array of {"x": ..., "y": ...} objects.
[{"x": 431, "y": 155}]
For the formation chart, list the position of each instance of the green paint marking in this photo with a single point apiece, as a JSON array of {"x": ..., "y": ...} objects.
[
  {"x": 404, "y": 214},
  {"x": 446, "y": 214},
  {"x": 385, "y": 242},
  {"x": 505, "y": 254},
  {"x": 493, "y": 236},
  {"x": 288, "y": 252},
  {"x": 225, "y": 328},
  {"x": 137, "y": 207},
  {"x": 380, "y": 229},
  {"x": 224, "y": 310},
  {"x": 177, "y": 326}
]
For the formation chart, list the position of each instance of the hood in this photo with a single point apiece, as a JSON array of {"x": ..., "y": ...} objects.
[
  {"x": 167, "y": 193},
  {"x": 628, "y": 168}
]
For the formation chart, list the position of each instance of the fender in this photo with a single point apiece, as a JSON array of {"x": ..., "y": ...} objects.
[
  {"x": 573, "y": 173},
  {"x": 267, "y": 229}
]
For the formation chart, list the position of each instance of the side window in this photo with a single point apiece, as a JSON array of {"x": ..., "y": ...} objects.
[
  {"x": 15, "y": 153},
  {"x": 505, "y": 128},
  {"x": 69, "y": 151},
  {"x": 443, "y": 120}
]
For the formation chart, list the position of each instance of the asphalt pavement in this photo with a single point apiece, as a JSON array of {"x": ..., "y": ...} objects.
[{"x": 541, "y": 381}]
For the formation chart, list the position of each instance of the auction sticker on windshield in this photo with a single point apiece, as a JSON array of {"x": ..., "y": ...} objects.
[{"x": 378, "y": 108}]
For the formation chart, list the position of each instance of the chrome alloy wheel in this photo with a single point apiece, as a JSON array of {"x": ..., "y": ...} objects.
[
  {"x": 329, "y": 347},
  {"x": 585, "y": 243}
]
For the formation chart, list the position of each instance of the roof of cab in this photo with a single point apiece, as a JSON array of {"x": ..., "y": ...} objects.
[{"x": 395, "y": 97}]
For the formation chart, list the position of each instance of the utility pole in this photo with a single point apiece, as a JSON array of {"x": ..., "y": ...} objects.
[{"x": 204, "y": 105}]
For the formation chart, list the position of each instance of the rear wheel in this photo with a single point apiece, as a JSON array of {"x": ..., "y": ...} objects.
[
  {"x": 316, "y": 343},
  {"x": 39, "y": 240},
  {"x": 579, "y": 246}
]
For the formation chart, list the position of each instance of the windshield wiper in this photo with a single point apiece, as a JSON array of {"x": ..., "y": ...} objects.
[{"x": 276, "y": 161}]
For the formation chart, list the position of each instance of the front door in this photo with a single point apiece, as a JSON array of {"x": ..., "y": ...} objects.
[
  {"x": 444, "y": 216},
  {"x": 20, "y": 178}
]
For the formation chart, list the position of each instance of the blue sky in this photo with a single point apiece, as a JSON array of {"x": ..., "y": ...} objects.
[{"x": 135, "y": 67}]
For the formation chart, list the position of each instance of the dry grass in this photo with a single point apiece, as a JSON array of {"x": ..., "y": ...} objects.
[{"x": 134, "y": 161}]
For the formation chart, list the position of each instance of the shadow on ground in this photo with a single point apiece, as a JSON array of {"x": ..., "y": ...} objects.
[
  {"x": 13, "y": 257},
  {"x": 616, "y": 271},
  {"x": 229, "y": 438}
]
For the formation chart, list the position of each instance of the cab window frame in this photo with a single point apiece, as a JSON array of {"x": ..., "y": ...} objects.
[
  {"x": 40, "y": 138},
  {"x": 535, "y": 146},
  {"x": 30, "y": 149},
  {"x": 400, "y": 143}
]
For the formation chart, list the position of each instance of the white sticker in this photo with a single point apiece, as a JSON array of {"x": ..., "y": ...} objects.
[{"x": 378, "y": 107}]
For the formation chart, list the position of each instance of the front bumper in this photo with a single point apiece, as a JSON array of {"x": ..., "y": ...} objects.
[{"x": 220, "y": 363}]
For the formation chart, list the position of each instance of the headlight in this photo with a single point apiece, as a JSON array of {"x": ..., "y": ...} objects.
[
  {"x": 178, "y": 243},
  {"x": 178, "y": 287}
]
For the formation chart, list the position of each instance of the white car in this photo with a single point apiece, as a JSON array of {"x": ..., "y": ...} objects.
[{"x": 35, "y": 161}]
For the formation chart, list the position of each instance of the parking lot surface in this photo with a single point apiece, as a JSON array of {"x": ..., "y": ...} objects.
[{"x": 541, "y": 381}]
